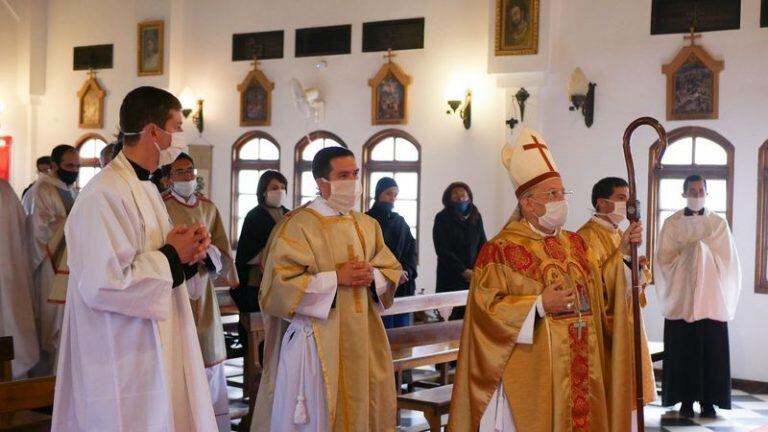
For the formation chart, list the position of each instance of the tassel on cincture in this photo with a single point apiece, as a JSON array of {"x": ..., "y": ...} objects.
[{"x": 300, "y": 413}]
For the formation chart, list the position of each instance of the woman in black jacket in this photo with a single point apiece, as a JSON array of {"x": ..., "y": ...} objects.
[
  {"x": 258, "y": 225},
  {"x": 458, "y": 235},
  {"x": 398, "y": 238}
]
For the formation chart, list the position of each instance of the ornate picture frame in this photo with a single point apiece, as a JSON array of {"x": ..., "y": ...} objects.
[
  {"x": 389, "y": 94},
  {"x": 693, "y": 84},
  {"x": 150, "y": 48},
  {"x": 90, "y": 112},
  {"x": 255, "y": 98},
  {"x": 517, "y": 27}
]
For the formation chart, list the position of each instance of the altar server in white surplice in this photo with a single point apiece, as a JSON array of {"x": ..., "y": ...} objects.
[
  {"x": 130, "y": 359},
  {"x": 16, "y": 317},
  {"x": 698, "y": 279}
]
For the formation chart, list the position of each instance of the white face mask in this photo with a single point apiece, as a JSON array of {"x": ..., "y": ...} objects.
[
  {"x": 275, "y": 198},
  {"x": 185, "y": 188},
  {"x": 177, "y": 147},
  {"x": 619, "y": 213},
  {"x": 555, "y": 215},
  {"x": 344, "y": 194},
  {"x": 696, "y": 204}
]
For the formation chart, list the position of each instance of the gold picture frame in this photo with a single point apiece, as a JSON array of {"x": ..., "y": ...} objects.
[
  {"x": 389, "y": 94},
  {"x": 150, "y": 48},
  {"x": 517, "y": 27},
  {"x": 693, "y": 84},
  {"x": 255, "y": 98},
  {"x": 90, "y": 112}
]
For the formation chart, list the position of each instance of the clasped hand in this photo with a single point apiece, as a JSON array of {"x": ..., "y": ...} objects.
[
  {"x": 355, "y": 273},
  {"x": 557, "y": 300},
  {"x": 191, "y": 242}
]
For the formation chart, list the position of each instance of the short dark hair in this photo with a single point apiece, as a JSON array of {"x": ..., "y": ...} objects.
[
  {"x": 43, "y": 160},
  {"x": 605, "y": 187},
  {"x": 693, "y": 178},
  {"x": 321, "y": 164},
  {"x": 184, "y": 156},
  {"x": 145, "y": 105},
  {"x": 474, "y": 213},
  {"x": 58, "y": 152},
  {"x": 108, "y": 149},
  {"x": 265, "y": 180}
]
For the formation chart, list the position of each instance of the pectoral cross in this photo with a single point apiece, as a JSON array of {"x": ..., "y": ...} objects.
[
  {"x": 581, "y": 324},
  {"x": 692, "y": 36},
  {"x": 540, "y": 146},
  {"x": 389, "y": 55},
  {"x": 356, "y": 290}
]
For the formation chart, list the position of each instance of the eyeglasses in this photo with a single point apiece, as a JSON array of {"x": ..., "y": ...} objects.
[
  {"x": 181, "y": 172},
  {"x": 554, "y": 194}
]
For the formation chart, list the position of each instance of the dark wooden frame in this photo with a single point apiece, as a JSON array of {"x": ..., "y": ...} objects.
[
  {"x": 670, "y": 70},
  {"x": 761, "y": 254},
  {"x": 402, "y": 78},
  {"x": 715, "y": 172},
  {"x": 238, "y": 165},
  {"x": 299, "y": 165},
  {"x": 256, "y": 76},
  {"x": 370, "y": 166}
]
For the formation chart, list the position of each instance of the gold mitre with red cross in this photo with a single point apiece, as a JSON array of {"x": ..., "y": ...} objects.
[{"x": 528, "y": 161}]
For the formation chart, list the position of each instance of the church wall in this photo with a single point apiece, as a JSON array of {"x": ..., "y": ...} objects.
[
  {"x": 198, "y": 54},
  {"x": 611, "y": 42}
]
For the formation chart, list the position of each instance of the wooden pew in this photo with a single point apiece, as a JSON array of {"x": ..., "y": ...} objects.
[{"x": 17, "y": 398}]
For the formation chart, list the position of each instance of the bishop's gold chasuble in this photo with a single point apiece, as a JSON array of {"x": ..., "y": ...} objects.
[
  {"x": 554, "y": 384},
  {"x": 618, "y": 325},
  {"x": 352, "y": 344}
]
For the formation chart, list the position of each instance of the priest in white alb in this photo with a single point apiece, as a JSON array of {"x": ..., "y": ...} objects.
[
  {"x": 327, "y": 276},
  {"x": 698, "y": 279},
  {"x": 16, "y": 317},
  {"x": 130, "y": 359},
  {"x": 48, "y": 204}
]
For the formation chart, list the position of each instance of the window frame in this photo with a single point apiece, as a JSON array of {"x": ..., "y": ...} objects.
[
  {"x": 88, "y": 162},
  {"x": 239, "y": 165},
  {"x": 761, "y": 255},
  {"x": 714, "y": 172},
  {"x": 300, "y": 165},
  {"x": 370, "y": 166}
]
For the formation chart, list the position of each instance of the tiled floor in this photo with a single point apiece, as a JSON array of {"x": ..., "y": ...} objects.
[{"x": 749, "y": 413}]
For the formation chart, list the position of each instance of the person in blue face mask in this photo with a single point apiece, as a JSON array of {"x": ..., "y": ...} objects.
[
  {"x": 399, "y": 240},
  {"x": 458, "y": 235}
]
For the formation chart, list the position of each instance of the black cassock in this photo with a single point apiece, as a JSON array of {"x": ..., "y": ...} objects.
[{"x": 696, "y": 363}]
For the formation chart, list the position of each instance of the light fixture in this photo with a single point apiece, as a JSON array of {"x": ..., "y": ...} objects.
[
  {"x": 582, "y": 95},
  {"x": 464, "y": 108},
  {"x": 191, "y": 105},
  {"x": 521, "y": 96}
]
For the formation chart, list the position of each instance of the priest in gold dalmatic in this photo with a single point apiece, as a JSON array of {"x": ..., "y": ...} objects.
[
  {"x": 327, "y": 275},
  {"x": 610, "y": 246},
  {"x": 187, "y": 207},
  {"x": 530, "y": 353}
]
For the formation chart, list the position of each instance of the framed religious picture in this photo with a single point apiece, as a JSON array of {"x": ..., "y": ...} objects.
[
  {"x": 91, "y": 103},
  {"x": 389, "y": 94},
  {"x": 255, "y": 98},
  {"x": 150, "y": 48},
  {"x": 692, "y": 84},
  {"x": 517, "y": 27}
]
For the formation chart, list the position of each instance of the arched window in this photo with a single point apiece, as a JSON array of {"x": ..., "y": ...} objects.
[
  {"x": 691, "y": 150},
  {"x": 761, "y": 275},
  {"x": 304, "y": 187},
  {"x": 89, "y": 146},
  {"x": 394, "y": 153},
  {"x": 252, "y": 154}
]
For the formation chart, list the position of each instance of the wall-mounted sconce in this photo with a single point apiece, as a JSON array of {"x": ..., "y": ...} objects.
[
  {"x": 521, "y": 96},
  {"x": 582, "y": 94},
  {"x": 191, "y": 105},
  {"x": 464, "y": 108}
]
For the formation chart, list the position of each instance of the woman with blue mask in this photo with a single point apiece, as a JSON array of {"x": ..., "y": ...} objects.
[
  {"x": 398, "y": 238},
  {"x": 458, "y": 235}
]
